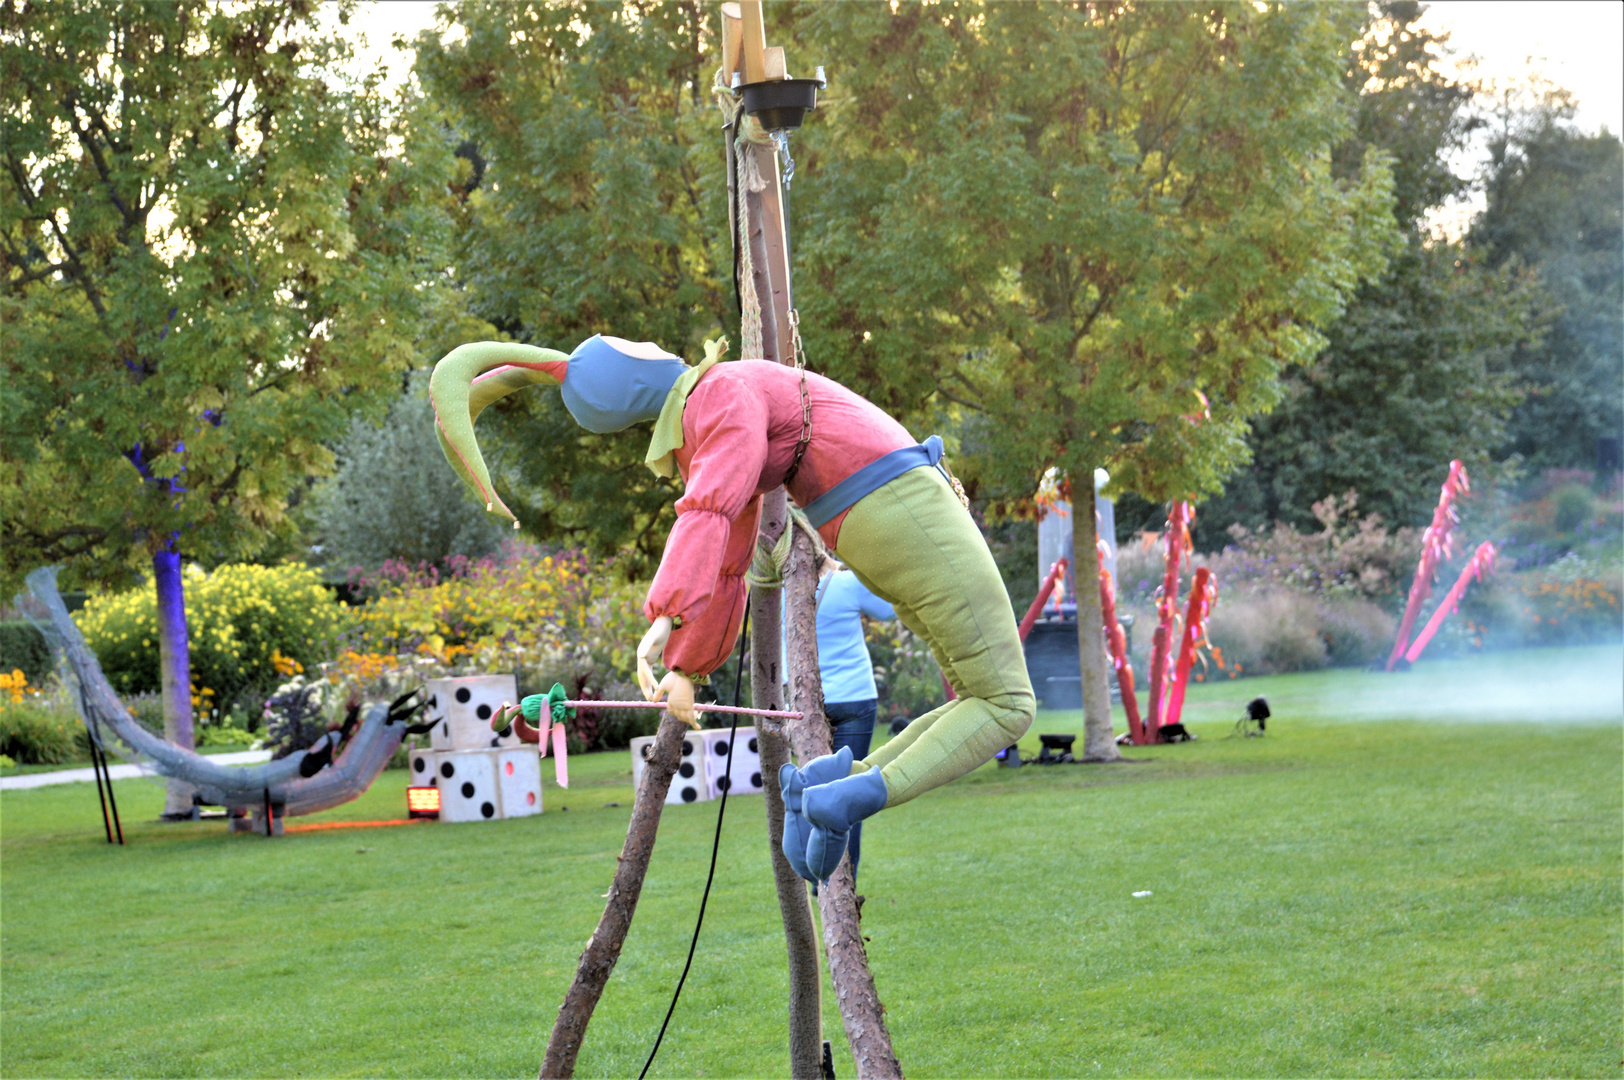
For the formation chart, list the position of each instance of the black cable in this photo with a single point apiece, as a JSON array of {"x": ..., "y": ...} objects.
[{"x": 716, "y": 844}]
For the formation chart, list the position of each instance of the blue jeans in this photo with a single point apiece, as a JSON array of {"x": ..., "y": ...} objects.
[{"x": 852, "y": 724}]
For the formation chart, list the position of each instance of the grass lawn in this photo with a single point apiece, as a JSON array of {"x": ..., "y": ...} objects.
[{"x": 1370, "y": 896}]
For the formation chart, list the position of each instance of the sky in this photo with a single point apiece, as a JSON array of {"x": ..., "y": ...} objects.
[{"x": 1576, "y": 44}]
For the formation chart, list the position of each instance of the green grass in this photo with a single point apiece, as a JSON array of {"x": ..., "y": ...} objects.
[{"x": 1379, "y": 897}]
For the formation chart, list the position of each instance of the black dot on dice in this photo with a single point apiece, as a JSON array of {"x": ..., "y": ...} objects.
[
  {"x": 419, "y": 764},
  {"x": 447, "y": 771},
  {"x": 505, "y": 732},
  {"x": 483, "y": 712},
  {"x": 753, "y": 748},
  {"x": 687, "y": 748},
  {"x": 468, "y": 790},
  {"x": 487, "y": 810},
  {"x": 755, "y": 779},
  {"x": 496, "y": 740},
  {"x": 463, "y": 695},
  {"x": 721, "y": 749},
  {"x": 724, "y": 783},
  {"x": 689, "y": 794},
  {"x": 646, "y": 748},
  {"x": 434, "y": 781},
  {"x": 687, "y": 770}
]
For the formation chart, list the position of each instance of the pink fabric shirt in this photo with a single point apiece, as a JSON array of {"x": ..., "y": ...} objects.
[{"x": 739, "y": 432}]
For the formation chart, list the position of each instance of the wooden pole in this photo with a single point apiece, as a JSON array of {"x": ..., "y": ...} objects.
[
  {"x": 858, "y": 1000},
  {"x": 603, "y": 950},
  {"x": 859, "y": 1003}
]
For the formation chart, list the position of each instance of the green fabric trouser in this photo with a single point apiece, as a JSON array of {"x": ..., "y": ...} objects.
[{"x": 914, "y": 545}]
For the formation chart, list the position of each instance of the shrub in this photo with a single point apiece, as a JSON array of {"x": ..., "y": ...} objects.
[
  {"x": 547, "y": 618},
  {"x": 905, "y": 673},
  {"x": 24, "y": 648},
  {"x": 393, "y": 498},
  {"x": 1268, "y": 632},
  {"x": 243, "y": 622},
  {"x": 39, "y": 732},
  {"x": 296, "y": 715}
]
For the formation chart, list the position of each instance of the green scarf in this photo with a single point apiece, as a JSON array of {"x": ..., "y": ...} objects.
[{"x": 667, "y": 440}]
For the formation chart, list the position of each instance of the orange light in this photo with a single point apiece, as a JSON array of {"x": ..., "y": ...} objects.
[{"x": 423, "y": 801}]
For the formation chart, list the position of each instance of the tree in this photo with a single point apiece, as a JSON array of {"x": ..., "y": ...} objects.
[
  {"x": 601, "y": 210},
  {"x": 1412, "y": 374},
  {"x": 215, "y": 250},
  {"x": 1095, "y": 234},
  {"x": 393, "y": 498},
  {"x": 1556, "y": 204}
]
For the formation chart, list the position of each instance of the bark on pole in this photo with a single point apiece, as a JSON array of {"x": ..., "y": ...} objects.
[
  {"x": 860, "y": 1007},
  {"x": 767, "y": 692},
  {"x": 859, "y": 1002},
  {"x": 603, "y": 950},
  {"x": 1099, "y": 739},
  {"x": 766, "y": 678}
]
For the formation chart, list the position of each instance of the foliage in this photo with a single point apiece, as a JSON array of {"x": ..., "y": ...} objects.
[
  {"x": 38, "y": 731},
  {"x": 1413, "y": 373},
  {"x": 23, "y": 647},
  {"x": 1134, "y": 226},
  {"x": 393, "y": 498},
  {"x": 296, "y": 715},
  {"x": 215, "y": 252},
  {"x": 1555, "y": 202},
  {"x": 544, "y": 617},
  {"x": 592, "y": 143},
  {"x": 244, "y": 620}
]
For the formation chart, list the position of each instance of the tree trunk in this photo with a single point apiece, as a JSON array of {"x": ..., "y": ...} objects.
[
  {"x": 603, "y": 950},
  {"x": 767, "y": 692},
  {"x": 1099, "y": 738},
  {"x": 175, "y": 672},
  {"x": 859, "y": 1002}
]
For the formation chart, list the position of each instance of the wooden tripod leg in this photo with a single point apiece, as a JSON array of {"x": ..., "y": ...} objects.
[{"x": 598, "y": 961}]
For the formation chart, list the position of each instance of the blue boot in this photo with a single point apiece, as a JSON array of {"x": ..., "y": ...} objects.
[
  {"x": 831, "y": 810},
  {"x": 793, "y": 782}
]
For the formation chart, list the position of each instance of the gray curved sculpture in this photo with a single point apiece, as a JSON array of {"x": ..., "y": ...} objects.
[{"x": 242, "y": 788}]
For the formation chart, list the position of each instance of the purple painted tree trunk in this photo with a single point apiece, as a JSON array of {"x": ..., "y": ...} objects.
[{"x": 175, "y": 669}]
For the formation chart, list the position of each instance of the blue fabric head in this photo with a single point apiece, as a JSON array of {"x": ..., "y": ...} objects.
[{"x": 606, "y": 390}]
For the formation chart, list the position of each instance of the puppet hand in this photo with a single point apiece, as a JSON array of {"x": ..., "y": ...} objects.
[
  {"x": 653, "y": 643},
  {"x": 677, "y": 690}
]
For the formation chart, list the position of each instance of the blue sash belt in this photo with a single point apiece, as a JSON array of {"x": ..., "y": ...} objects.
[{"x": 871, "y": 477}]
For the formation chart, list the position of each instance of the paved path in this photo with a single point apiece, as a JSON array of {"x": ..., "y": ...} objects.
[{"x": 121, "y": 772}]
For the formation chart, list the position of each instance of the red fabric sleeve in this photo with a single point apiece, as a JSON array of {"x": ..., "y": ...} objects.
[
  {"x": 701, "y": 644},
  {"x": 700, "y": 579}
]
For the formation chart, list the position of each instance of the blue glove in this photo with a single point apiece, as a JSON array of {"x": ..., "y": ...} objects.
[
  {"x": 831, "y": 810},
  {"x": 794, "y": 782}
]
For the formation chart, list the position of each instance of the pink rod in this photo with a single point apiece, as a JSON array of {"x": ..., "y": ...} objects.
[
  {"x": 741, "y": 710},
  {"x": 1481, "y": 562},
  {"x": 1437, "y": 543}
]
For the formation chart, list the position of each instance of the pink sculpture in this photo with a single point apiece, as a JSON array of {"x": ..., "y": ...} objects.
[
  {"x": 1481, "y": 562},
  {"x": 1437, "y": 544}
]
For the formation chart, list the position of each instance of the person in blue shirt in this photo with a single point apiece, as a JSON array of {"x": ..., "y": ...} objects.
[{"x": 850, "y": 698}]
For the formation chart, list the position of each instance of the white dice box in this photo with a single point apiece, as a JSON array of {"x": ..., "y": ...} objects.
[
  {"x": 464, "y": 707},
  {"x": 468, "y": 786},
  {"x": 518, "y": 779},
  {"x": 688, "y": 783},
  {"x": 420, "y": 768},
  {"x": 745, "y": 776}
]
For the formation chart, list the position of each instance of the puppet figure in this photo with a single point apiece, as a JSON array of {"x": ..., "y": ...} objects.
[{"x": 881, "y": 501}]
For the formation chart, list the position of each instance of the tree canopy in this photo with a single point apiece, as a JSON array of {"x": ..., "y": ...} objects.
[
  {"x": 215, "y": 251},
  {"x": 601, "y": 209},
  {"x": 1413, "y": 373},
  {"x": 1096, "y": 234}
]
